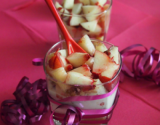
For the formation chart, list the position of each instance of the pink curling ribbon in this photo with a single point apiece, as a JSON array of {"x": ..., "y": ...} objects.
[
  {"x": 145, "y": 64},
  {"x": 87, "y": 113},
  {"x": 71, "y": 114},
  {"x": 37, "y": 61},
  {"x": 30, "y": 103}
]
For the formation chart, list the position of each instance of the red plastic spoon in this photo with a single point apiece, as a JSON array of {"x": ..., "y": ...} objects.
[{"x": 71, "y": 44}]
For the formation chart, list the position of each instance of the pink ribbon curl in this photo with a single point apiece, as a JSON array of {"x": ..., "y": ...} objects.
[
  {"x": 145, "y": 64},
  {"x": 30, "y": 103},
  {"x": 71, "y": 114}
]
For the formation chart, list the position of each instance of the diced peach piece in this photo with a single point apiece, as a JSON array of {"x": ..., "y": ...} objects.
[
  {"x": 58, "y": 74},
  {"x": 57, "y": 5},
  {"x": 97, "y": 30},
  {"x": 90, "y": 62},
  {"x": 63, "y": 52},
  {"x": 100, "y": 38},
  {"x": 62, "y": 10},
  {"x": 85, "y": 2},
  {"x": 68, "y": 4},
  {"x": 76, "y": 20},
  {"x": 75, "y": 78},
  {"x": 77, "y": 59},
  {"x": 91, "y": 11},
  {"x": 77, "y": 8},
  {"x": 100, "y": 46},
  {"x": 98, "y": 2},
  {"x": 109, "y": 73},
  {"x": 101, "y": 62},
  {"x": 63, "y": 60},
  {"x": 86, "y": 43},
  {"x": 84, "y": 69},
  {"x": 56, "y": 62},
  {"x": 114, "y": 54},
  {"x": 88, "y": 8},
  {"x": 90, "y": 26}
]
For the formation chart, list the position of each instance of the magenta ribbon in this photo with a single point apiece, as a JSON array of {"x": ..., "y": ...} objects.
[
  {"x": 37, "y": 61},
  {"x": 145, "y": 64},
  {"x": 30, "y": 104},
  {"x": 77, "y": 112},
  {"x": 71, "y": 114}
]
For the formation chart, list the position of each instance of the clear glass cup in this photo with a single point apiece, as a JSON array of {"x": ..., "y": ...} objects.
[
  {"x": 98, "y": 31},
  {"x": 56, "y": 89}
]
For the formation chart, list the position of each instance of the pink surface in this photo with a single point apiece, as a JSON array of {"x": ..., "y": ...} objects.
[{"x": 29, "y": 32}]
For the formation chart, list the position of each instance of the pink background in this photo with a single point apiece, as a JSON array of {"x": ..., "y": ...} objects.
[{"x": 29, "y": 32}]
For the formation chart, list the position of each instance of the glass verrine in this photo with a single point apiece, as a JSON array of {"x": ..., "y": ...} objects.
[
  {"x": 95, "y": 22},
  {"x": 58, "y": 90}
]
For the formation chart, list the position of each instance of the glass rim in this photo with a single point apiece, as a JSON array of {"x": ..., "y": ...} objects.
[
  {"x": 97, "y": 14},
  {"x": 92, "y": 39}
]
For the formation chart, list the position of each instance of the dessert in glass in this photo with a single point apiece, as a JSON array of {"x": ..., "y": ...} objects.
[
  {"x": 93, "y": 73},
  {"x": 82, "y": 17}
]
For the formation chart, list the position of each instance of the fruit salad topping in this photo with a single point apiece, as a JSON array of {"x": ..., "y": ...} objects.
[
  {"x": 84, "y": 73},
  {"x": 85, "y": 17}
]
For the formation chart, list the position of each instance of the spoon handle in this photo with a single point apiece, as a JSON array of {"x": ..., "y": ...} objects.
[
  {"x": 71, "y": 44},
  {"x": 59, "y": 21}
]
